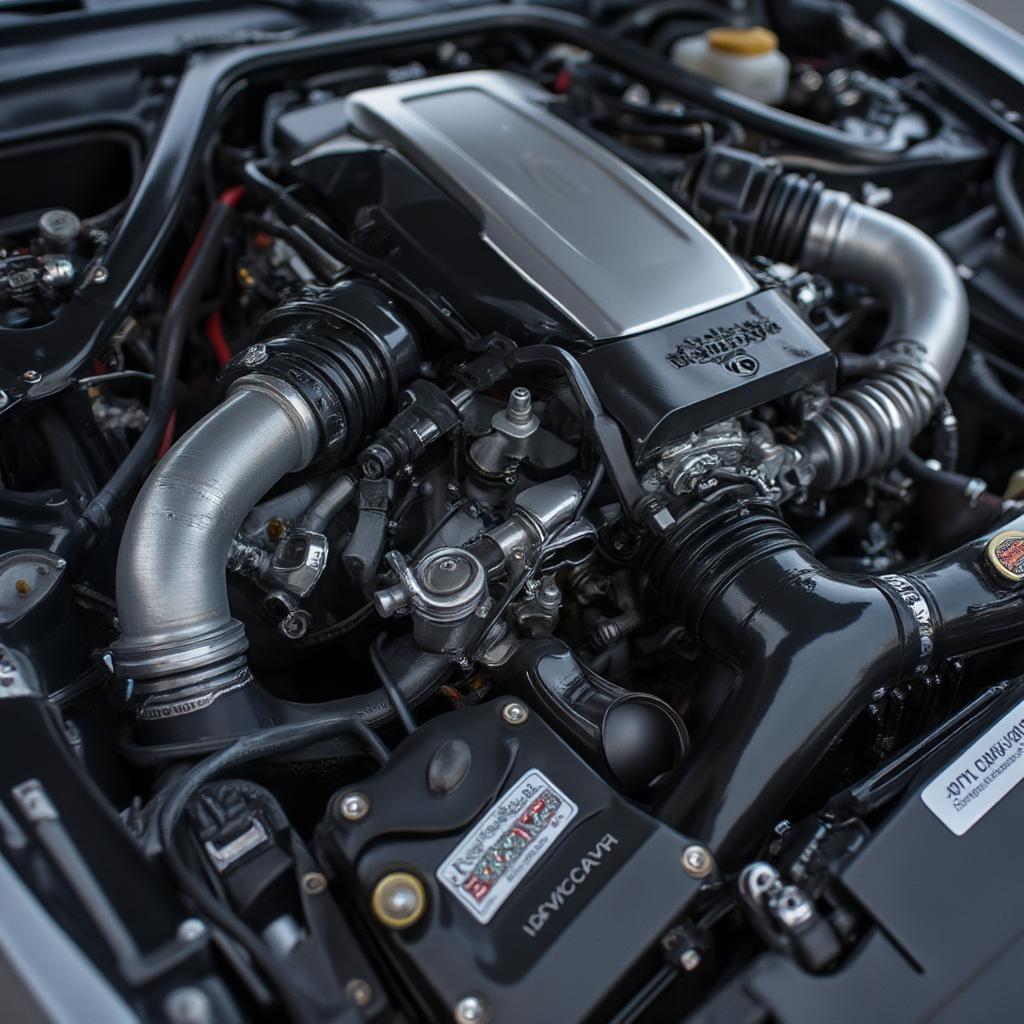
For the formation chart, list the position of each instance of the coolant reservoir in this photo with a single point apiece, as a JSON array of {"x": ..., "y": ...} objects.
[{"x": 747, "y": 60}]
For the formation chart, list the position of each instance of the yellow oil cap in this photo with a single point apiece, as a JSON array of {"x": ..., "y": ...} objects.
[{"x": 743, "y": 42}]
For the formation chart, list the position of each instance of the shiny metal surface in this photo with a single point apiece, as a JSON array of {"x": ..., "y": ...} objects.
[
  {"x": 870, "y": 424},
  {"x": 597, "y": 239},
  {"x": 171, "y": 582}
]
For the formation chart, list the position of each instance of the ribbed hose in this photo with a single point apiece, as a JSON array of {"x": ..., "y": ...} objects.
[{"x": 870, "y": 424}]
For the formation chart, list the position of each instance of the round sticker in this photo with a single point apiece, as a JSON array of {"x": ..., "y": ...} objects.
[{"x": 1006, "y": 553}]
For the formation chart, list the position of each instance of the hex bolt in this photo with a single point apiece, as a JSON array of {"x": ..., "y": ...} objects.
[
  {"x": 31, "y": 376},
  {"x": 359, "y": 992},
  {"x": 100, "y": 274},
  {"x": 354, "y": 806},
  {"x": 515, "y": 713},
  {"x": 690, "y": 959},
  {"x": 314, "y": 882},
  {"x": 697, "y": 861},
  {"x": 470, "y": 1009}
]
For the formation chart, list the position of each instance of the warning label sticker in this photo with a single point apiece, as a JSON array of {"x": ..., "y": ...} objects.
[
  {"x": 969, "y": 787},
  {"x": 501, "y": 849}
]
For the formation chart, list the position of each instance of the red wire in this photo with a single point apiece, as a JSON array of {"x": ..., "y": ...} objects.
[
  {"x": 214, "y": 327},
  {"x": 215, "y": 332}
]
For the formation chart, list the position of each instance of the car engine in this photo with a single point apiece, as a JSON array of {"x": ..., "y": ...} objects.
[{"x": 499, "y": 524}]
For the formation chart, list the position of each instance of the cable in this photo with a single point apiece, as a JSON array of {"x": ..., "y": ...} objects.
[
  {"x": 277, "y": 740},
  {"x": 218, "y": 342},
  {"x": 997, "y": 403},
  {"x": 402, "y": 711},
  {"x": 170, "y": 344}
]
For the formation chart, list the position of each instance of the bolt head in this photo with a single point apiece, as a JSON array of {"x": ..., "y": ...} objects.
[
  {"x": 470, "y": 1010},
  {"x": 191, "y": 929},
  {"x": 100, "y": 274},
  {"x": 697, "y": 861},
  {"x": 399, "y": 900},
  {"x": 689, "y": 959},
  {"x": 359, "y": 992},
  {"x": 515, "y": 713},
  {"x": 188, "y": 1006},
  {"x": 314, "y": 882},
  {"x": 354, "y": 806},
  {"x": 255, "y": 355},
  {"x": 31, "y": 376}
]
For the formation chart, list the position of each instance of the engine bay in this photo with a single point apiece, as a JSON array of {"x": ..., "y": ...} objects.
[{"x": 509, "y": 514}]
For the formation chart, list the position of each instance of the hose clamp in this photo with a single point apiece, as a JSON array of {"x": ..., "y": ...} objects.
[{"x": 291, "y": 400}]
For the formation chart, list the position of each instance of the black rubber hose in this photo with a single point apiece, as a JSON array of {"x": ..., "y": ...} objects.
[
  {"x": 170, "y": 344},
  {"x": 980, "y": 380},
  {"x": 1007, "y": 196},
  {"x": 918, "y": 469},
  {"x": 251, "y": 710},
  {"x": 69, "y": 463},
  {"x": 267, "y": 743}
]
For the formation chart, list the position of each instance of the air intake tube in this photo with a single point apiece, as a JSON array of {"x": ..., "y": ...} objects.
[
  {"x": 809, "y": 646},
  {"x": 871, "y": 424},
  {"x": 321, "y": 374}
]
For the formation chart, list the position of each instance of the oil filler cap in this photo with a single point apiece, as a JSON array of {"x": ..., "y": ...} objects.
[{"x": 1005, "y": 553}]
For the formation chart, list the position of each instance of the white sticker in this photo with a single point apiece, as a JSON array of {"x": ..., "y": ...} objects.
[
  {"x": 968, "y": 788},
  {"x": 501, "y": 849}
]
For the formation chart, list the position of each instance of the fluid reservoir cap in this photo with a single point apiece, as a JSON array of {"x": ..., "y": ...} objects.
[
  {"x": 743, "y": 42},
  {"x": 1005, "y": 553},
  {"x": 447, "y": 573}
]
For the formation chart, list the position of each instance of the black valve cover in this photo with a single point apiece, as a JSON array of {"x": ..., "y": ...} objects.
[{"x": 546, "y": 892}]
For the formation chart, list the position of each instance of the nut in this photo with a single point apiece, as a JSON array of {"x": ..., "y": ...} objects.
[{"x": 697, "y": 861}]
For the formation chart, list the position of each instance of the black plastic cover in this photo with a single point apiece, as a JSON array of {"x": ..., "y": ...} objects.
[
  {"x": 666, "y": 383},
  {"x": 580, "y": 926}
]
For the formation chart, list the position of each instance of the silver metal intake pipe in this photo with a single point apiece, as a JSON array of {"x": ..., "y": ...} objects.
[
  {"x": 177, "y": 633},
  {"x": 871, "y": 424}
]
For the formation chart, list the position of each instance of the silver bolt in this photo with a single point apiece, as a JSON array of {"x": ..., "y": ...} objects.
[
  {"x": 4, "y": 399},
  {"x": 689, "y": 960},
  {"x": 255, "y": 354},
  {"x": 100, "y": 274},
  {"x": 697, "y": 861},
  {"x": 191, "y": 929},
  {"x": 188, "y": 1006},
  {"x": 470, "y": 1010},
  {"x": 515, "y": 713},
  {"x": 520, "y": 406},
  {"x": 314, "y": 882},
  {"x": 359, "y": 992},
  {"x": 354, "y": 806},
  {"x": 31, "y": 376}
]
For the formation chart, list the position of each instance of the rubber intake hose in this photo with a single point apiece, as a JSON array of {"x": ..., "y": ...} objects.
[
  {"x": 308, "y": 395},
  {"x": 872, "y": 422},
  {"x": 808, "y": 646}
]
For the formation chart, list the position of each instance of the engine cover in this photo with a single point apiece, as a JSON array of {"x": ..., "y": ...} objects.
[
  {"x": 599, "y": 240},
  {"x": 515, "y": 219}
]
